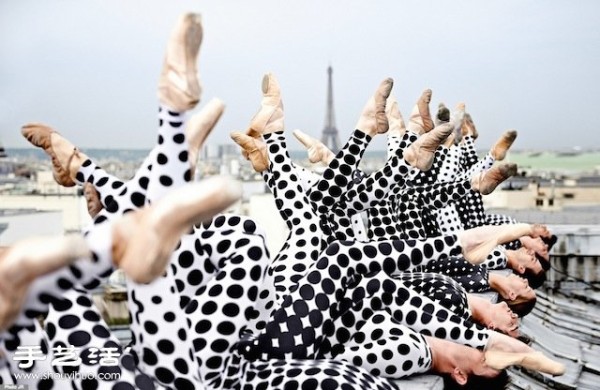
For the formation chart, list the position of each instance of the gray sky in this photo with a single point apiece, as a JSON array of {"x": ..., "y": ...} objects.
[{"x": 90, "y": 68}]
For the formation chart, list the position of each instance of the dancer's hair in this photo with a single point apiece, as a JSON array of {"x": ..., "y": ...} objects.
[
  {"x": 475, "y": 382},
  {"x": 521, "y": 306}
]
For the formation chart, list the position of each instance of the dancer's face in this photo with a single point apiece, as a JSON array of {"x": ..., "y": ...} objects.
[
  {"x": 537, "y": 245},
  {"x": 518, "y": 289},
  {"x": 481, "y": 369},
  {"x": 526, "y": 260},
  {"x": 472, "y": 364},
  {"x": 505, "y": 320}
]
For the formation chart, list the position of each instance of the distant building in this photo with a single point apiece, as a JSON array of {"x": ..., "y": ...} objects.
[{"x": 17, "y": 224}]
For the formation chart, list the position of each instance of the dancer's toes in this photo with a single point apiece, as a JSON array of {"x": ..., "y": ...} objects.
[
  {"x": 395, "y": 120},
  {"x": 486, "y": 182},
  {"x": 143, "y": 240},
  {"x": 66, "y": 158},
  {"x": 420, "y": 154},
  {"x": 253, "y": 150},
  {"x": 28, "y": 259},
  {"x": 269, "y": 117},
  {"x": 373, "y": 119},
  {"x": 501, "y": 146},
  {"x": 179, "y": 88},
  {"x": 420, "y": 118},
  {"x": 92, "y": 198},
  {"x": 199, "y": 127}
]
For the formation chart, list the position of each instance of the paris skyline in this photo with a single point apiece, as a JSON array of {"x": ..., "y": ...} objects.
[{"x": 90, "y": 69}]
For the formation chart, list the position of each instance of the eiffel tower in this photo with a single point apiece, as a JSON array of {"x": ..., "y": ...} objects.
[{"x": 330, "y": 136}]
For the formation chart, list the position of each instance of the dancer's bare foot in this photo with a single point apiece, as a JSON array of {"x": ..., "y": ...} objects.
[
  {"x": 498, "y": 151},
  {"x": 66, "y": 158},
  {"x": 92, "y": 198},
  {"x": 28, "y": 259},
  {"x": 532, "y": 360},
  {"x": 143, "y": 240},
  {"x": 395, "y": 120},
  {"x": 486, "y": 182},
  {"x": 373, "y": 120},
  {"x": 419, "y": 121},
  {"x": 199, "y": 127},
  {"x": 178, "y": 87},
  {"x": 420, "y": 154},
  {"x": 253, "y": 150},
  {"x": 269, "y": 117},
  {"x": 317, "y": 151}
]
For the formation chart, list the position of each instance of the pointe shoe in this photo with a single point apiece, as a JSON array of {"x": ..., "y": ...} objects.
[
  {"x": 92, "y": 198},
  {"x": 394, "y": 116},
  {"x": 468, "y": 128},
  {"x": 373, "y": 120},
  {"x": 501, "y": 146},
  {"x": 317, "y": 151},
  {"x": 144, "y": 240},
  {"x": 178, "y": 86},
  {"x": 199, "y": 127},
  {"x": 253, "y": 150},
  {"x": 458, "y": 118},
  {"x": 269, "y": 117},
  {"x": 533, "y": 361},
  {"x": 420, "y": 121},
  {"x": 450, "y": 140},
  {"x": 443, "y": 115},
  {"x": 66, "y": 158},
  {"x": 23, "y": 262},
  {"x": 486, "y": 182},
  {"x": 422, "y": 152}
]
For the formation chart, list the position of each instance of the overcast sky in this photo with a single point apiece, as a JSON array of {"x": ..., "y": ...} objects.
[{"x": 90, "y": 68}]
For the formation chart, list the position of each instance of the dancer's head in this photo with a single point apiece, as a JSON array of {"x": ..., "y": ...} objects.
[
  {"x": 457, "y": 361},
  {"x": 475, "y": 382},
  {"x": 536, "y": 244},
  {"x": 524, "y": 261},
  {"x": 502, "y": 319},
  {"x": 92, "y": 198},
  {"x": 517, "y": 293},
  {"x": 530, "y": 265},
  {"x": 469, "y": 369}
]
